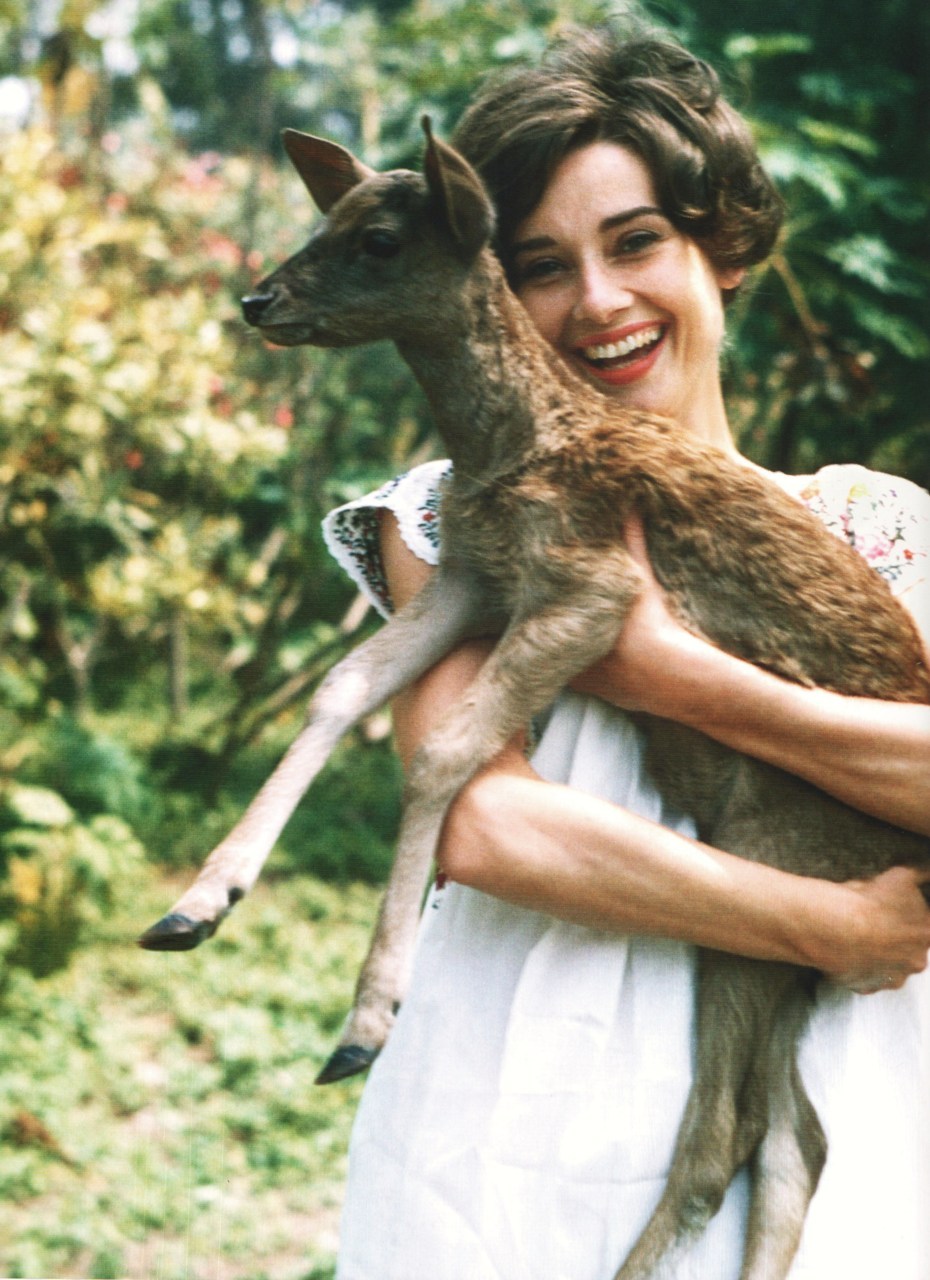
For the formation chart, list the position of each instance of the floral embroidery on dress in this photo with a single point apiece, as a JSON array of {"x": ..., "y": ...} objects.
[
  {"x": 885, "y": 519},
  {"x": 352, "y": 531},
  {"x": 429, "y": 516},
  {"x": 357, "y": 532}
]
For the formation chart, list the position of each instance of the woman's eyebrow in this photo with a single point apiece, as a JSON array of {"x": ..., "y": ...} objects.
[
  {"x": 641, "y": 211},
  {"x": 608, "y": 224}
]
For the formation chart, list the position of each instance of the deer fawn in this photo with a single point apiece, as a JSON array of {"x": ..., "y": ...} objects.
[{"x": 546, "y": 473}]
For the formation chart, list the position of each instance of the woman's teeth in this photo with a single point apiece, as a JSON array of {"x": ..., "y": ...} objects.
[{"x": 626, "y": 346}]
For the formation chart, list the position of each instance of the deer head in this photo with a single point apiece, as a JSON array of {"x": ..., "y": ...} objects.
[{"x": 391, "y": 256}]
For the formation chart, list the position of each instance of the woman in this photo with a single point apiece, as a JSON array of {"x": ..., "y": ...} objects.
[{"x": 520, "y": 1123}]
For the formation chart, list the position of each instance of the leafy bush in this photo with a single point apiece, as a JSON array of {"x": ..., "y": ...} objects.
[
  {"x": 94, "y": 771},
  {"x": 345, "y": 829},
  {"x": 57, "y": 875},
  {"x": 157, "y": 1112}
]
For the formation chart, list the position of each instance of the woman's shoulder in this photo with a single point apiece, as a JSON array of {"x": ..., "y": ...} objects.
[
  {"x": 884, "y": 517},
  {"x": 352, "y": 531},
  {"x": 849, "y": 485}
]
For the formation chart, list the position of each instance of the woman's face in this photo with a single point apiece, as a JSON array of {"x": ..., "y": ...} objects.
[{"x": 630, "y": 302}]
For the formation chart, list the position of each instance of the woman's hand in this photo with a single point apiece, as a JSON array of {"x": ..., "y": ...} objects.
[
  {"x": 639, "y": 673},
  {"x": 889, "y": 936}
]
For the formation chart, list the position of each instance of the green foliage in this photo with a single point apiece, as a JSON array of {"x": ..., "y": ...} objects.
[
  {"x": 369, "y": 83},
  {"x": 57, "y": 876},
  {"x": 164, "y": 595},
  {"x": 345, "y": 830},
  {"x": 159, "y": 516},
  {"x": 115, "y": 418},
  {"x": 92, "y": 770},
  {"x": 825, "y": 360},
  {"x": 158, "y": 1114}
]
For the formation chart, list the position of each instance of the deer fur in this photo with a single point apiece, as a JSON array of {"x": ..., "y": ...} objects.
[{"x": 546, "y": 474}]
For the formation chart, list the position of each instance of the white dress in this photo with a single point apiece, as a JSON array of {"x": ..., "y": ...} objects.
[{"x": 520, "y": 1123}]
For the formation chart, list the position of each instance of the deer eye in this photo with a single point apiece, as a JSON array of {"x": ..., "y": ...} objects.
[{"x": 380, "y": 244}]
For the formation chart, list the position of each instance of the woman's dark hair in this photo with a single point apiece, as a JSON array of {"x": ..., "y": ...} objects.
[{"x": 645, "y": 92}]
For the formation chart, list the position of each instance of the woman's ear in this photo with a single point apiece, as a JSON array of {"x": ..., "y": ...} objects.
[{"x": 729, "y": 278}]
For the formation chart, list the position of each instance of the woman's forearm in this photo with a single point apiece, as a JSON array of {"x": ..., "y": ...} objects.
[
  {"x": 580, "y": 858},
  {"x": 873, "y": 755}
]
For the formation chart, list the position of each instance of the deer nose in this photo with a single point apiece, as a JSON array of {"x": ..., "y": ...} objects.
[{"x": 255, "y": 306}]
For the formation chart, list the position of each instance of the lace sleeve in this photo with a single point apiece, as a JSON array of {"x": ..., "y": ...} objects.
[
  {"x": 887, "y": 520},
  {"x": 352, "y": 532}
]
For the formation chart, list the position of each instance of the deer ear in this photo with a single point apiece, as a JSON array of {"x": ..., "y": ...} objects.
[
  {"x": 328, "y": 170},
  {"x": 457, "y": 194}
]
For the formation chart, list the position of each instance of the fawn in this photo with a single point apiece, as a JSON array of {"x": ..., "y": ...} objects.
[{"x": 546, "y": 474}]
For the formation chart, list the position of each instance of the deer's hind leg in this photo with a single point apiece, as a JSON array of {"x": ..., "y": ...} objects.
[
  {"x": 532, "y": 662},
  {"x": 725, "y": 1117},
  {"x": 790, "y": 1159}
]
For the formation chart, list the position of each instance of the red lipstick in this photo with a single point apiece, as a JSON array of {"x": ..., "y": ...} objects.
[{"x": 622, "y": 355}]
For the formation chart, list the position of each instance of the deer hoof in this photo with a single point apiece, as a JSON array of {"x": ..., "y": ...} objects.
[
  {"x": 175, "y": 932},
  {"x": 347, "y": 1060}
]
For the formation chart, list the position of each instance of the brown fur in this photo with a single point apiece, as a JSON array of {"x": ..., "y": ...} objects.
[{"x": 546, "y": 473}]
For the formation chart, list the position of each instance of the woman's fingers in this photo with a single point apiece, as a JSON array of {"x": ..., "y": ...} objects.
[{"x": 899, "y": 940}]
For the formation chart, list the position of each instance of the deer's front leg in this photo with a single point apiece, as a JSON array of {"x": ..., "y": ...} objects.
[
  {"x": 416, "y": 638},
  {"x": 534, "y": 660}
]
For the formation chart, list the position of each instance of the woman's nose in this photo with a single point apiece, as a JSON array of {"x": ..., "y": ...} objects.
[{"x": 601, "y": 294}]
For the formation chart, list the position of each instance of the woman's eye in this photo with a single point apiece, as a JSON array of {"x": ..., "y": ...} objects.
[
  {"x": 380, "y": 244},
  {"x": 634, "y": 242},
  {"x": 537, "y": 271}
]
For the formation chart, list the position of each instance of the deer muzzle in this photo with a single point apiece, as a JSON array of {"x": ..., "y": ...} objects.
[{"x": 255, "y": 305}]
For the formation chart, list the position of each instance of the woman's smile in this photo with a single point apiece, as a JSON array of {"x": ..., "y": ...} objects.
[{"x": 621, "y": 357}]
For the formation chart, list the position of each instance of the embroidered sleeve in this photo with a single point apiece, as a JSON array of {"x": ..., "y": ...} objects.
[
  {"x": 887, "y": 520},
  {"x": 352, "y": 533}
]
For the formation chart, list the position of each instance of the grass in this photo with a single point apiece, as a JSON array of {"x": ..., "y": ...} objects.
[{"x": 157, "y": 1112}]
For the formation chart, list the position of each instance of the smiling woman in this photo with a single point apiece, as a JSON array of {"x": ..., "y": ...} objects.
[{"x": 522, "y": 1119}]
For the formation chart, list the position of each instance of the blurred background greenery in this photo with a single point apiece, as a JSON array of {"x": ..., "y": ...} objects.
[{"x": 166, "y": 604}]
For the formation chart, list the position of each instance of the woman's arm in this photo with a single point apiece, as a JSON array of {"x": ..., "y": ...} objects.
[
  {"x": 873, "y": 755},
  {"x": 574, "y": 856}
]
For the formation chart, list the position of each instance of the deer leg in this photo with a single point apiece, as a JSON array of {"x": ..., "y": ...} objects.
[
  {"x": 533, "y": 661},
  {"x": 790, "y": 1159},
  {"x": 724, "y": 1119},
  {"x": 402, "y": 650}
]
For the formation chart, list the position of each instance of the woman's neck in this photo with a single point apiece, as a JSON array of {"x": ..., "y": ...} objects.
[{"x": 707, "y": 420}]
